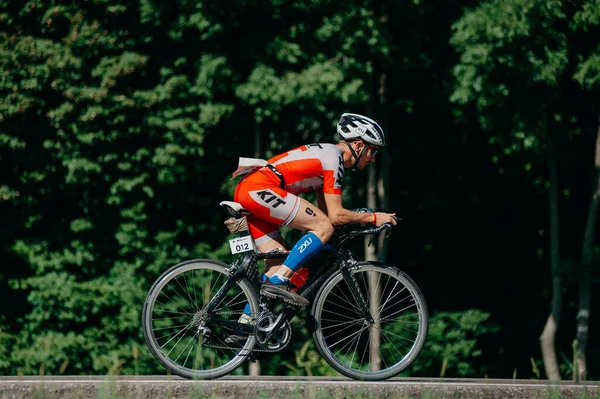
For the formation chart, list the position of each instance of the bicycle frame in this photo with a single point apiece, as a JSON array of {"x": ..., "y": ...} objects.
[
  {"x": 246, "y": 266},
  {"x": 346, "y": 319}
]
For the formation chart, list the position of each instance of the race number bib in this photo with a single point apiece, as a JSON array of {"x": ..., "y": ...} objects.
[{"x": 241, "y": 244}]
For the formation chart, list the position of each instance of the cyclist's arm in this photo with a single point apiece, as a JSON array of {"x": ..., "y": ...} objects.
[
  {"x": 338, "y": 215},
  {"x": 321, "y": 202}
]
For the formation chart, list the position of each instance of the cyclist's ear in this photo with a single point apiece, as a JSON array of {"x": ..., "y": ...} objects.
[{"x": 359, "y": 146}]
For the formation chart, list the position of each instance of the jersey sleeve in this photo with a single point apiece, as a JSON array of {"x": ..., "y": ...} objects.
[{"x": 333, "y": 171}]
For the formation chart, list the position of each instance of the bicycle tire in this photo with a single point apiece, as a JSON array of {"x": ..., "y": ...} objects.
[
  {"x": 330, "y": 312},
  {"x": 157, "y": 348}
]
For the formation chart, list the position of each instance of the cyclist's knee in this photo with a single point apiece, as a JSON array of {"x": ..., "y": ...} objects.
[{"x": 324, "y": 231}]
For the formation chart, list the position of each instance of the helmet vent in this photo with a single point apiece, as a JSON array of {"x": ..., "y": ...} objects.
[{"x": 354, "y": 126}]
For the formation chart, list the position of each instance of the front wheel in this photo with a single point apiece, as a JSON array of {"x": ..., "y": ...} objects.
[
  {"x": 375, "y": 350},
  {"x": 177, "y": 328}
]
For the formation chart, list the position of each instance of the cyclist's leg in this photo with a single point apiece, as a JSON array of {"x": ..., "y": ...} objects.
[
  {"x": 268, "y": 209},
  {"x": 319, "y": 230},
  {"x": 308, "y": 218},
  {"x": 267, "y": 237},
  {"x": 272, "y": 204}
]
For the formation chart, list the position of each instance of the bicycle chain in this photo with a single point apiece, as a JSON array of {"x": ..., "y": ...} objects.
[
  {"x": 240, "y": 349},
  {"x": 237, "y": 348}
]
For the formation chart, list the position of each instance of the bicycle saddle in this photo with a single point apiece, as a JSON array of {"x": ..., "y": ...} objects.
[{"x": 233, "y": 207}]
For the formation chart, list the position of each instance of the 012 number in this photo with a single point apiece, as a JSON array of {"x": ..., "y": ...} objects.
[{"x": 241, "y": 244}]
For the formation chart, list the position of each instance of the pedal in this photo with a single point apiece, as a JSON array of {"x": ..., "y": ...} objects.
[{"x": 256, "y": 356}]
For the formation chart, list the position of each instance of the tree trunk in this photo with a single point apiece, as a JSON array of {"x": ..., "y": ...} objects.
[
  {"x": 374, "y": 289},
  {"x": 384, "y": 167},
  {"x": 584, "y": 276},
  {"x": 377, "y": 200},
  {"x": 254, "y": 368},
  {"x": 549, "y": 333}
]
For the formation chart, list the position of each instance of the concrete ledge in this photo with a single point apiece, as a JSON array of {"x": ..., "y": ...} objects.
[{"x": 285, "y": 387}]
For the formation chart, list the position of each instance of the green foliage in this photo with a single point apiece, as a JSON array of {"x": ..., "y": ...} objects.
[
  {"x": 108, "y": 135},
  {"x": 308, "y": 362},
  {"x": 514, "y": 59},
  {"x": 509, "y": 57},
  {"x": 588, "y": 72},
  {"x": 121, "y": 121},
  {"x": 109, "y": 110},
  {"x": 6, "y": 343},
  {"x": 452, "y": 346}
]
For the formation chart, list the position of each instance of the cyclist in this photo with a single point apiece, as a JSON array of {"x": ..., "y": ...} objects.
[{"x": 270, "y": 193}]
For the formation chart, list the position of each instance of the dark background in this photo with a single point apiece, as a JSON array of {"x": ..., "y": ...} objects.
[{"x": 127, "y": 118}]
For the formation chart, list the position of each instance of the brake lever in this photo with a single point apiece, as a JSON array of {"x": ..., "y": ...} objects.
[
  {"x": 384, "y": 226},
  {"x": 397, "y": 219},
  {"x": 372, "y": 239},
  {"x": 386, "y": 236}
]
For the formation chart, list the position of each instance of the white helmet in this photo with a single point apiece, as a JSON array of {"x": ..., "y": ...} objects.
[{"x": 355, "y": 126}]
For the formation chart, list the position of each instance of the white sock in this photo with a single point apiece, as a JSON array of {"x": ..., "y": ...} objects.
[{"x": 281, "y": 277}]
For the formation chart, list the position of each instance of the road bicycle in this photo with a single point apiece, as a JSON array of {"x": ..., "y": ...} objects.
[{"x": 368, "y": 320}]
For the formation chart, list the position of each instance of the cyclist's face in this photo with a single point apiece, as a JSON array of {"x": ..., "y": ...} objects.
[
  {"x": 369, "y": 156},
  {"x": 373, "y": 151}
]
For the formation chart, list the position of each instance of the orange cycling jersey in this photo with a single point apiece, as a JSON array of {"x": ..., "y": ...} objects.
[
  {"x": 311, "y": 167},
  {"x": 270, "y": 193}
]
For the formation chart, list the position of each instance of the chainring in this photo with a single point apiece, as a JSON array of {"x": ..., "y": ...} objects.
[{"x": 279, "y": 339}]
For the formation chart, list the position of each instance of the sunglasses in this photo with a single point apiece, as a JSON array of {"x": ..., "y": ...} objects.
[{"x": 374, "y": 150}]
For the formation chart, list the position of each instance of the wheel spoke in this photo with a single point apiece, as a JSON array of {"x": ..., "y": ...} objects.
[
  {"x": 185, "y": 347},
  {"x": 183, "y": 330},
  {"x": 338, "y": 314},
  {"x": 392, "y": 345},
  {"x": 169, "y": 327},
  {"x": 229, "y": 304},
  {"x": 356, "y": 346},
  {"x": 187, "y": 292},
  {"x": 195, "y": 340},
  {"x": 343, "y": 339},
  {"x": 398, "y": 311},
  {"x": 389, "y": 298},
  {"x": 345, "y": 299},
  {"x": 395, "y": 342},
  {"x": 394, "y": 338},
  {"x": 340, "y": 324},
  {"x": 174, "y": 302},
  {"x": 349, "y": 343},
  {"x": 173, "y": 312},
  {"x": 343, "y": 329},
  {"x": 175, "y": 329}
]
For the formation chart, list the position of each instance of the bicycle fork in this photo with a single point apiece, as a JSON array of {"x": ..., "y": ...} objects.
[{"x": 363, "y": 306}]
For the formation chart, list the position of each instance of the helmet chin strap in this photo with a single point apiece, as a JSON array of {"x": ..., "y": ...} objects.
[{"x": 356, "y": 157}]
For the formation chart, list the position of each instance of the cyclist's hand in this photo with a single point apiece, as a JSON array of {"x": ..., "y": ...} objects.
[{"x": 385, "y": 218}]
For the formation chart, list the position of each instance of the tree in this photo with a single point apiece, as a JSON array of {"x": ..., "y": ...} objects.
[
  {"x": 584, "y": 275},
  {"x": 120, "y": 123},
  {"x": 513, "y": 56},
  {"x": 105, "y": 129},
  {"x": 585, "y": 23}
]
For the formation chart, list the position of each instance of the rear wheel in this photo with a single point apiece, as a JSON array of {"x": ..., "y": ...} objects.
[
  {"x": 176, "y": 328},
  {"x": 370, "y": 351}
]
